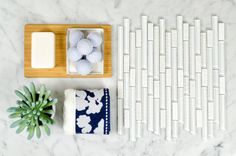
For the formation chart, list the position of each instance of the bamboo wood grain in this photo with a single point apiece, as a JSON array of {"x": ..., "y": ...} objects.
[{"x": 59, "y": 71}]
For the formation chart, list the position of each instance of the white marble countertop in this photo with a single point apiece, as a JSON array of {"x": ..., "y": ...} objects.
[{"x": 15, "y": 14}]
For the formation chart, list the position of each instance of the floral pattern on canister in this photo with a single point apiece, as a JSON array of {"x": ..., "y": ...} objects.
[{"x": 92, "y": 111}]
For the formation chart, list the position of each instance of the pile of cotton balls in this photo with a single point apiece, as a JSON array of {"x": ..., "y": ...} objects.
[{"x": 84, "y": 52}]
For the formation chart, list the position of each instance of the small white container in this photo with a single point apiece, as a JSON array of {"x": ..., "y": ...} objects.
[{"x": 97, "y": 68}]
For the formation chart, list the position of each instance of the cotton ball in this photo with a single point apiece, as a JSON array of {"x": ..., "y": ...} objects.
[
  {"x": 74, "y": 54},
  {"x": 95, "y": 38},
  {"x": 84, "y": 67},
  {"x": 85, "y": 46},
  {"x": 94, "y": 57},
  {"x": 74, "y": 37}
]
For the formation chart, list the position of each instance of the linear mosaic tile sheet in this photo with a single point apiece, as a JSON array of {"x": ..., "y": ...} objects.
[{"x": 171, "y": 80}]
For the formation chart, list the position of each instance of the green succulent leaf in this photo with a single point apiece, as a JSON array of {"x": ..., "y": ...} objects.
[
  {"x": 31, "y": 130},
  {"x": 20, "y": 95},
  {"x": 42, "y": 92},
  {"x": 16, "y": 123},
  {"x": 47, "y": 130},
  {"x": 38, "y": 131},
  {"x": 14, "y": 115},
  {"x": 47, "y": 94},
  {"x": 48, "y": 111},
  {"x": 12, "y": 109},
  {"x": 22, "y": 104},
  {"x": 51, "y": 103},
  {"x": 33, "y": 91},
  {"x": 21, "y": 128},
  {"x": 27, "y": 93}
]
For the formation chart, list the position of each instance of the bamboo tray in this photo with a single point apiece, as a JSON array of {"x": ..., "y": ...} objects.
[{"x": 60, "y": 54}]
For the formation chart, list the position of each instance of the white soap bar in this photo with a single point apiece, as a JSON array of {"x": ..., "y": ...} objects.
[{"x": 43, "y": 50}]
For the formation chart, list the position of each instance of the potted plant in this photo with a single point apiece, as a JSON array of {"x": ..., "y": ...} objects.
[{"x": 34, "y": 111}]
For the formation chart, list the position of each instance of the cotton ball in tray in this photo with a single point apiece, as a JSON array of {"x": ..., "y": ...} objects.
[
  {"x": 95, "y": 38},
  {"x": 74, "y": 54},
  {"x": 95, "y": 56},
  {"x": 85, "y": 46},
  {"x": 74, "y": 37},
  {"x": 84, "y": 67}
]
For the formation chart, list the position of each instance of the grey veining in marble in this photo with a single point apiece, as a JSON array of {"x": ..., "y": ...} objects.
[{"x": 15, "y": 13}]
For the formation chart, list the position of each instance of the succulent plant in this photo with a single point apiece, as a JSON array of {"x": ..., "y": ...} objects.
[{"x": 34, "y": 110}]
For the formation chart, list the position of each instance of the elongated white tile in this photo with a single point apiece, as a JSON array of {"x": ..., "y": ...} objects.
[
  {"x": 186, "y": 113},
  {"x": 181, "y": 104},
  {"x": 162, "y": 36},
  {"x": 215, "y": 78},
  {"x": 209, "y": 65},
  {"x": 168, "y": 77},
  {"x": 204, "y": 77},
  {"x": 132, "y": 50},
  {"x": 185, "y": 31},
  {"x": 186, "y": 58},
  {"x": 156, "y": 116},
  {"x": 162, "y": 63},
  {"x": 192, "y": 116},
  {"x": 216, "y": 97},
  {"x": 221, "y": 58},
  {"x": 192, "y": 86},
  {"x": 210, "y": 128},
  {"x": 150, "y": 113},
  {"x": 156, "y": 53},
  {"x": 174, "y": 80},
  {"x": 175, "y": 115},
  {"x": 198, "y": 91},
  {"x": 150, "y": 31},
  {"x": 132, "y": 129},
  {"x": 210, "y": 110},
  {"x": 215, "y": 42},
  {"x": 162, "y": 90},
  {"x": 120, "y": 117},
  {"x": 186, "y": 86},
  {"x": 126, "y": 90},
  {"x": 169, "y": 114},
  {"x": 175, "y": 130},
  {"x": 120, "y": 52},
  {"x": 198, "y": 63},
  {"x": 126, "y": 35},
  {"x": 144, "y": 104},
  {"x": 120, "y": 85},
  {"x": 168, "y": 50},
  {"x": 203, "y": 50},
  {"x": 138, "y": 119},
  {"x": 150, "y": 58},
  {"x": 204, "y": 113},
  {"x": 162, "y": 118},
  {"x": 221, "y": 31},
  {"x": 126, "y": 118},
  {"x": 199, "y": 118},
  {"x": 138, "y": 73},
  {"x": 197, "y": 25},
  {"x": 156, "y": 89},
  {"x": 222, "y": 112},
  {"x": 180, "y": 41},
  {"x": 192, "y": 52},
  {"x": 144, "y": 41},
  {"x": 180, "y": 73},
  {"x": 222, "y": 85}
]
